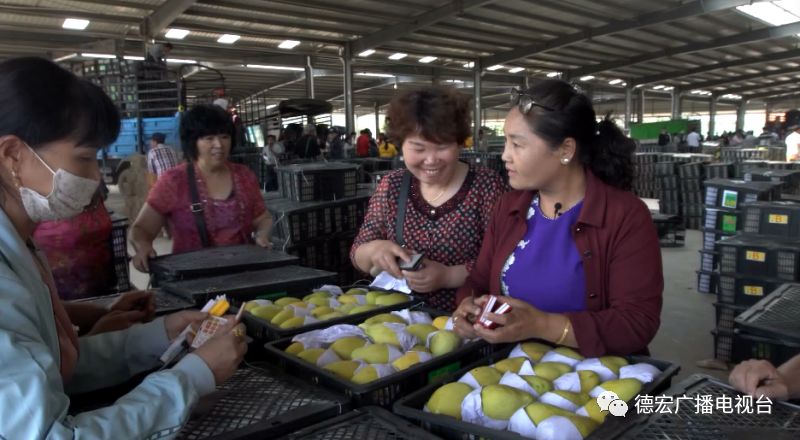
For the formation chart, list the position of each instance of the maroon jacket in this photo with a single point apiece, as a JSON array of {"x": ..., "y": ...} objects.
[{"x": 621, "y": 259}]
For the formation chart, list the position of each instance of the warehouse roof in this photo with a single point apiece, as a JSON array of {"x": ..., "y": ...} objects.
[{"x": 724, "y": 47}]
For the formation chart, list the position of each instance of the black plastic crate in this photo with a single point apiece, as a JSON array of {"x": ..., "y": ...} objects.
[
  {"x": 723, "y": 345},
  {"x": 780, "y": 219},
  {"x": 721, "y": 170},
  {"x": 248, "y": 285},
  {"x": 781, "y": 164},
  {"x": 666, "y": 168},
  {"x": 687, "y": 421},
  {"x": 691, "y": 184},
  {"x": 259, "y": 402},
  {"x": 301, "y": 221},
  {"x": 726, "y": 315},
  {"x": 693, "y": 171},
  {"x": 119, "y": 251},
  {"x": 215, "y": 261},
  {"x": 693, "y": 207},
  {"x": 669, "y": 207},
  {"x": 693, "y": 222},
  {"x": 707, "y": 282},
  {"x": 789, "y": 179},
  {"x": 411, "y": 406},
  {"x": 745, "y": 290},
  {"x": 735, "y": 154},
  {"x": 729, "y": 221},
  {"x": 741, "y": 168},
  {"x": 711, "y": 237},
  {"x": 318, "y": 181},
  {"x": 762, "y": 256},
  {"x": 777, "y": 316},
  {"x": 670, "y": 182},
  {"x": 775, "y": 350},
  {"x": 328, "y": 253},
  {"x": 385, "y": 391},
  {"x": 709, "y": 261},
  {"x": 165, "y": 302},
  {"x": 670, "y": 195},
  {"x": 368, "y": 423},
  {"x": 724, "y": 193},
  {"x": 671, "y": 232},
  {"x": 263, "y": 330}
]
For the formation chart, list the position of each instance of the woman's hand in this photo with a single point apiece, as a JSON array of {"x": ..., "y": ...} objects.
[
  {"x": 136, "y": 300},
  {"x": 431, "y": 277},
  {"x": 117, "y": 320},
  {"x": 224, "y": 351},
  {"x": 177, "y": 322},
  {"x": 759, "y": 377},
  {"x": 466, "y": 313},
  {"x": 384, "y": 255},
  {"x": 143, "y": 254},
  {"x": 262, "y": 240},
  {"x": 523, "y": 322}
]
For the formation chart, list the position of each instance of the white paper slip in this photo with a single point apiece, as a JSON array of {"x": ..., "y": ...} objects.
[{"x": 385, "y": 281}]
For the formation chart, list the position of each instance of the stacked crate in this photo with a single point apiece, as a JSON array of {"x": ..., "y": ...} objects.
[
  {"x": 733, "y": 154},
  {"x": 488, "y": 159},
  {"x": 737, "y": 262},
  {"x": 789, "y": 179},
  {"x": 691, "y": 176},
  {"x": 768, "y": 329},
  {"x": 645, "y": 183},
  {"x": 669, "y": 195}
]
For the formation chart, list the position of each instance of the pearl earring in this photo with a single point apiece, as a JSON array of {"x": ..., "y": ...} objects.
[{"x": 564, "y": 160}]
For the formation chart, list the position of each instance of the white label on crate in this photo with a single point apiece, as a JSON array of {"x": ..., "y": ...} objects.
[
  {"x": 730, "y": 198},
  {"x": 756, "y": 256},
  {"x": 754, "y": 290},
  {"x": 778, "y": 219}
]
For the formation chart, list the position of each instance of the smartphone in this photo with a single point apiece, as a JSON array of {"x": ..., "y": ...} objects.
[{"x": 414, "y": 264}]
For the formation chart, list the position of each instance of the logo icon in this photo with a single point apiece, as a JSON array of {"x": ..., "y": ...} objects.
[
  {"x": 618, "y": 408},
  {"x": 610, "y": 401}
]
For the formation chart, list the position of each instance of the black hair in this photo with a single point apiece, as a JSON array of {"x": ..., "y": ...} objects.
[
  {"x": 40, "y": 102},
  {"x": 159, "y": 137},
  {"x": 204, "y": 120},
  {"x": 601, "y": 147}
]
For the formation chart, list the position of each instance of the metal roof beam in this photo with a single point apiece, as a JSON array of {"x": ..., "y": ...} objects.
[
  {"x": 399, "y": 30},
  {"x": 741, "y": 90},
  {"x": 768, "y": 33},
  {"x": 778, "y": 94},
  {"x": 382, "y": 83},
  {"x": 688, "y": 10},
  {"x": 773, "y": 57},
  {"x": 735, "y": 79},
  {"x": 163, "y": 16}
]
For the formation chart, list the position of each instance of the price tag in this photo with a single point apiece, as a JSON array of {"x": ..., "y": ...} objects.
[
  {"x": 756, "y": 256},
  {"x": 754, "y": 290},
  {"x": 779, "y": 219}
]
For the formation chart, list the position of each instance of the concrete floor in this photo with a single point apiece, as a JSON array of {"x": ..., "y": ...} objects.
[{"x": 686, "y": 320}]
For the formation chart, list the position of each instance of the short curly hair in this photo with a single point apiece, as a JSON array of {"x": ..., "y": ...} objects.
[
  {"x": 438, "y": 114},
  {"x": 203, "y": 120}
]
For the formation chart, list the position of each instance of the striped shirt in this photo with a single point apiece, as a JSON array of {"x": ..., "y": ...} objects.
[{"x": 160, "y": 159}]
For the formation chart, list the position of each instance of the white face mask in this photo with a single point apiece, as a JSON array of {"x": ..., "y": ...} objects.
[{"x": 70, "y": 195}]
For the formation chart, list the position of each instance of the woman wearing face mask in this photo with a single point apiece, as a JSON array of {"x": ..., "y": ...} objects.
[
  {"x": 206, "y": 202},
  {"x": 51, "y": 125},
  {"x": 572, "y": 249},
  {"x": 448, "y": 203}
]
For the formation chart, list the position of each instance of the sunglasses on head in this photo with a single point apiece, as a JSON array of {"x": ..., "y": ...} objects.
[{"x": 526, "y": 102}]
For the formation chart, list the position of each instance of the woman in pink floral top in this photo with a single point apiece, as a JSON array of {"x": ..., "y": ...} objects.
[
  {"x": 449, "y": 204},
  {"x": 232, "y": 206}
]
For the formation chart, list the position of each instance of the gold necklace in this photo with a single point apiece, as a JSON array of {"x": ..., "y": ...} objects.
[{"x": 433, "y": 200}]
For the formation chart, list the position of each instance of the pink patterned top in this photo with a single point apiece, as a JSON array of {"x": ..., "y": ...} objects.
[
  {"x": 229, "y": 222},
  {"x": 450, "y": 234}
]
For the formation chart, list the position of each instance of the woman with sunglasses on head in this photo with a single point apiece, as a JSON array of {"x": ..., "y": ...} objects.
[
  {"x": 447, "y": 205},
  {"x": 209, "y": 201},
  {"x": 51, "y": 126},
  {"x": 572, "y": 250}
]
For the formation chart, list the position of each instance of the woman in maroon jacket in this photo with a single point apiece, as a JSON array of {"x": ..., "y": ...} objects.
[{"x": 572, "y": 250}]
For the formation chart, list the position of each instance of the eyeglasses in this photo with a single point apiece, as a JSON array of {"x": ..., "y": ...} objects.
[{"x": 526, "y": 102}]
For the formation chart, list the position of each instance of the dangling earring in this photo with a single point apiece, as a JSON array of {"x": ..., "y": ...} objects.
[
  {"x": 564, "y": 160},
  {"x": 17, "y": 182}
]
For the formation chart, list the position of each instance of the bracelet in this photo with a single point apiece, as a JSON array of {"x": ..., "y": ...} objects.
[{"x": 564, "y": 333}]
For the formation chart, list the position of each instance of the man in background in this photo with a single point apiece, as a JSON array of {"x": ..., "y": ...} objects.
[
  {"x": 693, "y": 141},
  {"x": 793, "y": 142},
  {"x": 160, "y": 158}
]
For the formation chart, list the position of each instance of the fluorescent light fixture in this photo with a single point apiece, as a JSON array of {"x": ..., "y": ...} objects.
[
  {"x": 367, "y": 53},
  {"x": 426, "y": 60},
  {"x": 770, "y": 13},
  {"x": 228, "y": 38},
  {"x": 65, "y": 57},
  {"x": 454, "y": 81},
  {"x": 398, "y": 56},
  {"x": 133, "y": 58},
  {"x": 614, "y": 82},
  {"x": 669, "y": 88},
  {"x": 97, "y": 55},
  {"x": 624, "y": 84},
  {"x": 181, "y": 61},
  {"x": 176, "y": 34},
  {"x": 469, "y": 65},
  {"x": 552, "y": 74},
  {"x": 732, "y": 96},
  {"x": 379, "y": 75},
  {"x": 289, "y": 44},
  {"x": 77, "y": 24},
  {"x": 495, "y": 67},
  {"x": 587, "y": 78},
  {"x": 271, "y": 106},
  {"x": 516, "y": 69},
  {"x": 658, "y": 87},
  {"x": 263, "y": 66}
]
